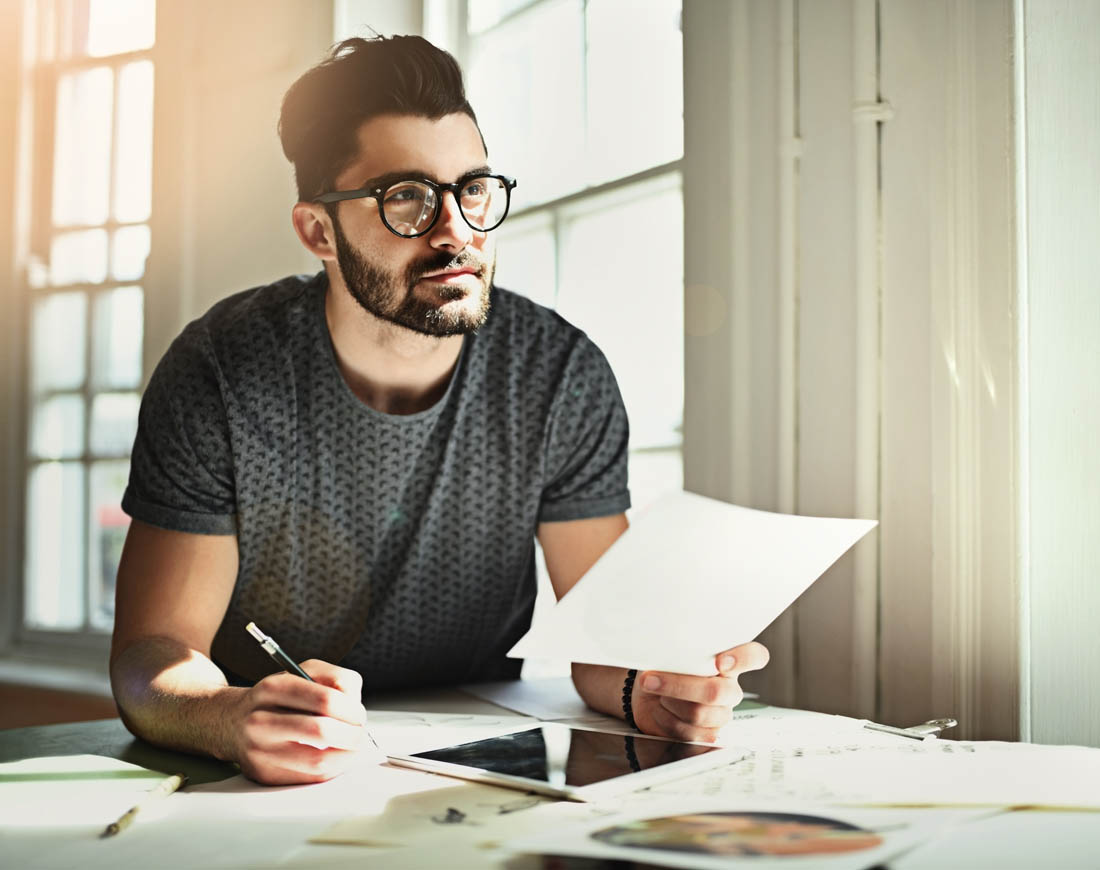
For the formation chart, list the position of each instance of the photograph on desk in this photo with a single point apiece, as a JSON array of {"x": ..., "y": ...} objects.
[{"x": 712, "y": 834}]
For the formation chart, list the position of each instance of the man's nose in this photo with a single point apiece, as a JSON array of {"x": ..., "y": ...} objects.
[{"x": 451, "y": 230}]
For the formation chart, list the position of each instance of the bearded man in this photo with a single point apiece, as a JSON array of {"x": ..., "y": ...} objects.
[{"x": 360, "y": 461}]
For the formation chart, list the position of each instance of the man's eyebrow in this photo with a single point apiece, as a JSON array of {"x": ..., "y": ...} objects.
[{"x": 414, "y": 173}]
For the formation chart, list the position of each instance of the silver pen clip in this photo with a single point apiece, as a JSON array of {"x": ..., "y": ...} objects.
[{"x": 931, "y": 728}]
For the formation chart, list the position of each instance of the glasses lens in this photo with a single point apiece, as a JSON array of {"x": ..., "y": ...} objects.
[
  {"x": 484, "y": 202},
  {"x": 409, "y": 207}
]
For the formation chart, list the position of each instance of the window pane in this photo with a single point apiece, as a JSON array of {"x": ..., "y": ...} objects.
[
  {"x": 525, "y": 258},
  {"x": 57, "y": 342},
  {"x": 483, "y": 14},
  {"x": 82, "y": 152},
  {"x": 54, "y": 580},
  {"x": 526, "y": 82},
  {"x": 635, "y": 86},
  {"x": 622, "y": 283},
  {"x": 79, "y": 257},
  {"x": 97, "y": 28},
  {"x": 57, "y": 427},
  {"x": 134, "y": 151},
  {"x": 117, "y": 339},
  {"x": 114, "y": 423},
  {"x": 129, "y": 251},
  {"x": 106, "y": 534}
]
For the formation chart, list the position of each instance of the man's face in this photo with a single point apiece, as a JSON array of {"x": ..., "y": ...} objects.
[{"x": 437, "y": 284}]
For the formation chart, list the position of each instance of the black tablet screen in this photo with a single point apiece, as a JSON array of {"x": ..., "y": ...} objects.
[{"x": 564, "y": 756}]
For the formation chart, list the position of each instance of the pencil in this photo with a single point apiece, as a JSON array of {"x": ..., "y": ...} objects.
[
  {"x": 276, "y": 652},
  {"x": 164, "y": 788}
]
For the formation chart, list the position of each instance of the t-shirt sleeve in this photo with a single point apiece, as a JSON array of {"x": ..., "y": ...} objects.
[
  {"x": 586, "y": 454},
  {"x": 181, "y": 470}
]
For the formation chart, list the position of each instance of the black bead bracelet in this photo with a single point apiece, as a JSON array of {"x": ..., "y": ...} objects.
[{"x": 628, "y": 692}]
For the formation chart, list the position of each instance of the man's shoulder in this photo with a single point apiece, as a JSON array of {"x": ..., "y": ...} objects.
[
  {"x": 522, "y": 320},
  {"x": 266, "y": 306},
  {"x": 244, "y": 336}
]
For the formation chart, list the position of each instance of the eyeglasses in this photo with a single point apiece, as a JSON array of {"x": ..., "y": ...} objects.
[{"x": 410, "y": 208}]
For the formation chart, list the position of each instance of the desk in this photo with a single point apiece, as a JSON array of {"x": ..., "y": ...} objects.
[{"x": 228, "y": 823}]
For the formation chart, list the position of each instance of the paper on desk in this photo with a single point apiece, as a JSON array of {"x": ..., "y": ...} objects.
[
  {"x": 702, "y": 833},
  {"x": 71, "y": 791},
  {"x": 939, "y": 773},
  {"x": 544, "y": 697},
  {"x": 691, "y": 577}
]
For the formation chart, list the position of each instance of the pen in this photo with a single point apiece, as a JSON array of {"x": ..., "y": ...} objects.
[
  {"x": 164, "y": 788},
  {"x": 286, "y": 662}
]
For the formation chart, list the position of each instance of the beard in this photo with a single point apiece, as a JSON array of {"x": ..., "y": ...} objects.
[{"x": 391, "y": 296}]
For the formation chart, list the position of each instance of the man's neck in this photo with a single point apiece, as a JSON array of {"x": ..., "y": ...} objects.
[{"x": 390, "y": 368}]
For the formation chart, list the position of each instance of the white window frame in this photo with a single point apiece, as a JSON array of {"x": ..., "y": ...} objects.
[
  {"x": 445, "y": 25},
  {"x": 31, "y": 206}
]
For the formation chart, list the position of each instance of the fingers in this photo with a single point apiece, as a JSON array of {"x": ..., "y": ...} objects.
[
  {"x": 346, "y": 680},
  {"x": 292, "y": 692},
  {"x": 293, "y": 763},
  {"x": 670, "y": 725},
  {"x": 747, "y": 657},
  {"x": 712, "y": 691},
  {"x": 267, "y": 728},
  {"x": 690, "y": 707},
  {"x": 696, "y": 715}
]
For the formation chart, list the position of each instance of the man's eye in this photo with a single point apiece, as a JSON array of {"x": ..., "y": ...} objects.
[
  {"x": 474, "y": 188},
  {"x": 404, "y": 195}
]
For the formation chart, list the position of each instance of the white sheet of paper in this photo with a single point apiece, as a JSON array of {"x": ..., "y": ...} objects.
[
  {"x": 543, "y": 698},
  {"x": 71, "y": 791},
  {"x": 691, "y": 577}
]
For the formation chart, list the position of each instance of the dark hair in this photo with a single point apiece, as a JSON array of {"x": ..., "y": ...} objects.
[{"x": 359, "y": 80}]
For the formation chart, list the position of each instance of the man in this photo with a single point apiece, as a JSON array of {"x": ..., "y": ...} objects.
[{"x": 360, "y": 461}]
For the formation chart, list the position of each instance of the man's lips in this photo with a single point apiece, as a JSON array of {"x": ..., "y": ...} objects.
[{"x": 450, "y": 276}]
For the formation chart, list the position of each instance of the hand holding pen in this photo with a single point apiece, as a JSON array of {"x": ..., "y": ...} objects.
[
  {"x": 286, "y": 662},
  {"x": 303, "y": 725}
]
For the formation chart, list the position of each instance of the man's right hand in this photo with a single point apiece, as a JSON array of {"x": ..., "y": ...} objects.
[
  {"x": 172, "y": 592},
  {"x": 289, "y": 730}
]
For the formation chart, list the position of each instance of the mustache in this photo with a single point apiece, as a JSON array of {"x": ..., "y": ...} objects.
[{"x": 443, "y": 260}]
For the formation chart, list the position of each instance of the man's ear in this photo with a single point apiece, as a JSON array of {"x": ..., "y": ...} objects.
[{"x": 314, "y": 229}]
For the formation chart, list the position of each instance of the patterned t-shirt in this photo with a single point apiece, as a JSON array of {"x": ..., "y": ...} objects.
[{"x": 400, "y": 546}]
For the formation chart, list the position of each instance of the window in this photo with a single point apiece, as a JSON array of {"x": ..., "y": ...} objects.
[
  {"x": 91, "y": 78},
  {"x": 581, "y": 100}
]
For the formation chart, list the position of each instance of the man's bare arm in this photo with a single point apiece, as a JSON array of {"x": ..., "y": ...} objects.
[
  {"x": 672, "y": 705},
  {"x": 173, "y": 590}
]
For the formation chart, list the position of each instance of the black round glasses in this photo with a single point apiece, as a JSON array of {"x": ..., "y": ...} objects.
[{"x": 410, "y": 207}]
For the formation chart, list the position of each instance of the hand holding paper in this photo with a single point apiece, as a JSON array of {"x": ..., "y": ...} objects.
[
  {"x": 690, "y": 578},
  {"x": 689, "y": 707}
]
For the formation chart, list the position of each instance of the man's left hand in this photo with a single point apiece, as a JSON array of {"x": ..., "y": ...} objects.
[{"x": 687, "y": 707}]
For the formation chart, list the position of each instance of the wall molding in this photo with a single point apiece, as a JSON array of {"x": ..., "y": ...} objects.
[{"x": 868, "y": 112}]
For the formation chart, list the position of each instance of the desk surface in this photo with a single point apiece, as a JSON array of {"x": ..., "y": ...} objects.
[{"x": 231, "y": 823}]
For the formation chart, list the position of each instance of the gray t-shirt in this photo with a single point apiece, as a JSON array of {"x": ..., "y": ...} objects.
[{"x": 400, "y": 546}]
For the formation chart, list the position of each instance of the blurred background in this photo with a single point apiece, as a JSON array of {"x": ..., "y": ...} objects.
[{"x": 841, "y": 255}]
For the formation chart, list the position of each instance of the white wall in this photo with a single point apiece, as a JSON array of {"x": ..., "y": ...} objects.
[
  {"x": 1061, "y": 227},
  {"x": 384, "y": 17},
  {"x": 849, "y": 250},
  {"x": 222, "y": 189}
]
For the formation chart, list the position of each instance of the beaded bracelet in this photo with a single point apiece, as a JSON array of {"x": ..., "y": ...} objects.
[
  {"x": 628, "y": 692},
  {"x": 631, "y": 755}
]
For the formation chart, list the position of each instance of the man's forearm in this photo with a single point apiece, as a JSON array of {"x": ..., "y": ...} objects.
[
  {"x": 175, "y": 697},
  {"x": 601, "y": 687}
]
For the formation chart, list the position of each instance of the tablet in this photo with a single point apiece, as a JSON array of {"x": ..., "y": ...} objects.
[{"x": 564, "y": 761}]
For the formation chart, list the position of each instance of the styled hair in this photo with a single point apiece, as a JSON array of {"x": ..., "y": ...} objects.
[{"x": 361, "y": 79}]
